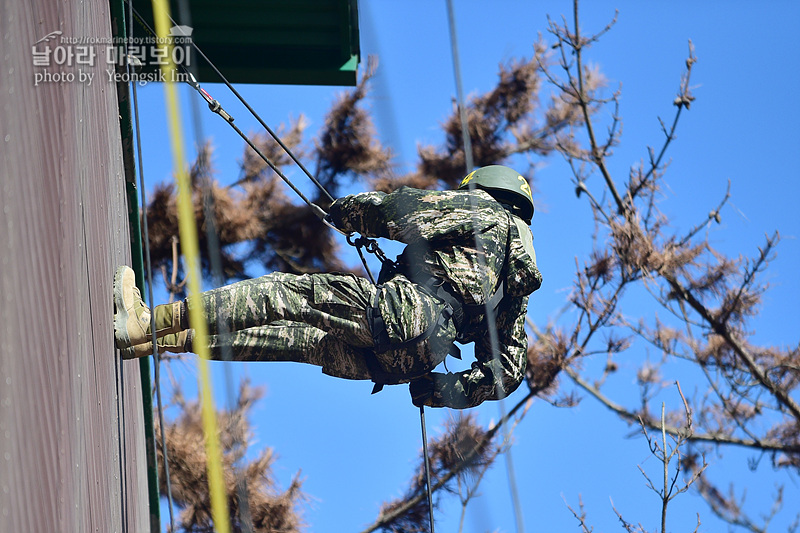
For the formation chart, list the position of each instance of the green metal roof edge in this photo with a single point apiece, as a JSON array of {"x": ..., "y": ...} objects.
[{"x": 292, "y": 70}]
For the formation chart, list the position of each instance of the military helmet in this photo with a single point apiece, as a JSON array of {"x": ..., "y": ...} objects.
[{"x": 505, "y": 185}]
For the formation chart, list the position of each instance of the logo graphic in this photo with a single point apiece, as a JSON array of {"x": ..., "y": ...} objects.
[
  {"x": 60, "y": 58},
  {"x": 49, "y": 37}
]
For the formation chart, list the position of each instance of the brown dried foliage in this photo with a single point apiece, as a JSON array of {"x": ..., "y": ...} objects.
[
  {"x": 277, "y": 234},
  {"x": 268, "y": 509},
  {"x": 709, "y": 298},
  {"x": 347, "y": 144},
  {"x": 464, "y": 449},
  {"x": 547, "y": 357},
  {"x": 504, "y": 121},
  {"x": 254, "y": 167},
  {"x": 490, "y": 117}
]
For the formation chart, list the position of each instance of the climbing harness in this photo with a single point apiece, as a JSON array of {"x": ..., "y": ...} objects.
[
  {"x": 463, "y": 315},
  {"x": 370, "y": 245}
]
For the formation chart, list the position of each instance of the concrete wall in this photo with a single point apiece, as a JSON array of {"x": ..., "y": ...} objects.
[{"x": 72, "y": 451}]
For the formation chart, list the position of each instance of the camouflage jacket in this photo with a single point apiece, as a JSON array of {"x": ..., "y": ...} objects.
[{"x": 445, "y": 231}]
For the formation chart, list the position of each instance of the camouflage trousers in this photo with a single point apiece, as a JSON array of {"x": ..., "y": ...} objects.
[{"x": 321, "y": 319}]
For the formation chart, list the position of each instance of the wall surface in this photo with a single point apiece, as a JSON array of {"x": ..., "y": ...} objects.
[{"x": 72, "y": 449}]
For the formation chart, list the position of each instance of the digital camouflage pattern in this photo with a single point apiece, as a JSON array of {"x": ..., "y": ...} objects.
[
  {"x": 321, "y": 319},
  {"x": 461, "y": 237}
]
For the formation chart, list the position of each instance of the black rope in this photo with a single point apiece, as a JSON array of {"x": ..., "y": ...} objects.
[
  {"x": 156, "y": 357},
  {"x": 216, "y": 107},
  {"x": 264, "y": 124},
  {"x": 427, "y": 464}
]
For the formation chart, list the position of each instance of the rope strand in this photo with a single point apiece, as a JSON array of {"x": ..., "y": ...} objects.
[
  {"x": 490, "y": 312},
  {"x": 156, "y": 357},
  {"x": 427, "y": 464}
]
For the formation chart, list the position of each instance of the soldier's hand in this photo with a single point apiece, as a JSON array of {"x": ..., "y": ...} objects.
[
  {"x": 335, "y": 213},
  {"x": 421, "y": 390}
]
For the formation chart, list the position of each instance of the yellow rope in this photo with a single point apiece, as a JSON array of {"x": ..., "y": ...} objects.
[{"x": 189, "y": 242}]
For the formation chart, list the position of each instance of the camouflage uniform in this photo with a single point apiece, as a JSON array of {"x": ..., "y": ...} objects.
[{"x": 322, "y": 319}]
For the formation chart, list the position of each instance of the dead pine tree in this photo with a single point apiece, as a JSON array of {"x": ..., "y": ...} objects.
[
  {"x": 749, "y": 394},
  {"x": 255, "y": 501}
]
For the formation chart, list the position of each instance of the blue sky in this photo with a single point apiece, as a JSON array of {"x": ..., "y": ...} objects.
[{"x": 356, "y": 450}]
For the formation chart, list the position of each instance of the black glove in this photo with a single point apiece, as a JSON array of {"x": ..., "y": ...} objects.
[
  {"x": 335, "y": 214},
  {"x": 421, "y": 390}
]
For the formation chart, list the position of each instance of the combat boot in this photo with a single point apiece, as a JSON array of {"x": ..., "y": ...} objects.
[
  {"x": 180, "y": 342},
  {"x": 132, "y": 319}
]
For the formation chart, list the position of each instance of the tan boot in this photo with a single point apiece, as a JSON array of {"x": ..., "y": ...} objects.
[
  {"x": 174, "y": 343},
  {"x": 132, "y": 320}
]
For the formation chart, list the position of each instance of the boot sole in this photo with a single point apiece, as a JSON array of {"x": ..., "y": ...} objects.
[{"x": 121, "y": 337}]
